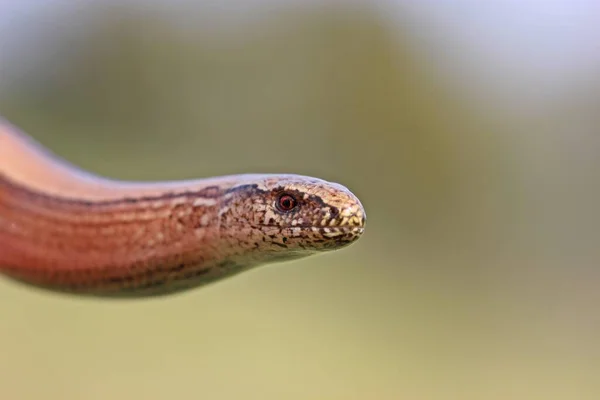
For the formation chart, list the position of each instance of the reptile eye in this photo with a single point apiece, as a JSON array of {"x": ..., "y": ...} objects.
[{"x": 286, "y": 203}]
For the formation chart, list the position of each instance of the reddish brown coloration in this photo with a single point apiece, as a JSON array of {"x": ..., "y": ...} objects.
[
  {"x": 81, "y": 244},
  {"x": 65, "y": 229}
]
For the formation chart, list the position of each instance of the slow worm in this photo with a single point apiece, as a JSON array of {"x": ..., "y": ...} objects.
[{"x": 68, "y": 230}]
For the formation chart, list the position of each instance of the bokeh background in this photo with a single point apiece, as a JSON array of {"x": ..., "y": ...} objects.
[{"x": 469, "y": 130}]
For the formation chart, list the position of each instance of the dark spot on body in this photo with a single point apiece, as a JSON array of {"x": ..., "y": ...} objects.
[
  {"x": 119, "y": 279},
  {"x": 179, "y": 267},
  {"x": 227, "y": 264},
  {"x": 210, "y": 192},
  {"x": 152, "y": 284},
  {"x": 150, "y": 272},
  {"x": 241, "y": 188},
  {"x": 193, "y": 274}
]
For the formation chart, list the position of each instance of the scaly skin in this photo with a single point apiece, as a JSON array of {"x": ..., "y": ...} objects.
[{"x": 68, "y": 230}]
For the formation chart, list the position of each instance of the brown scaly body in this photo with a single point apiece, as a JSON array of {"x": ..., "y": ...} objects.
[{"x": 64, "y": 229}]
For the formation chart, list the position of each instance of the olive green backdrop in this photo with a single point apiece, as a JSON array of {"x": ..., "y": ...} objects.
[{"x": 476, "y": 277}]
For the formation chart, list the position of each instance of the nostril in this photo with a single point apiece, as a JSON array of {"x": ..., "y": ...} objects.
[{"x": 334, "y": 212}]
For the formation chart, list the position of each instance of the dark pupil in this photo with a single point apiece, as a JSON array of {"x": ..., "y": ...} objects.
[{"x": 287, "y": 202}]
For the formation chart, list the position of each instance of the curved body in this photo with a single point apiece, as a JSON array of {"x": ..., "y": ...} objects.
[{"x": 68, "y": 230}]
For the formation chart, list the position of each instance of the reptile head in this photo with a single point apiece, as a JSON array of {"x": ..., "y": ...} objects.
[{"x": 283, "y": 217}]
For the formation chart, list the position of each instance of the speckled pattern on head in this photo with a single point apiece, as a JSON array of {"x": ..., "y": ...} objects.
[{"x": 326, "y": 216}]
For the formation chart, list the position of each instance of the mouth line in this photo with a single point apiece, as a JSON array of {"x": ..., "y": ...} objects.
[{"x": 346, "y": 228}]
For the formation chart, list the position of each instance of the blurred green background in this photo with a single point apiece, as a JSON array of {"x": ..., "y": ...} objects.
[{"x": 469, "y": 132}]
